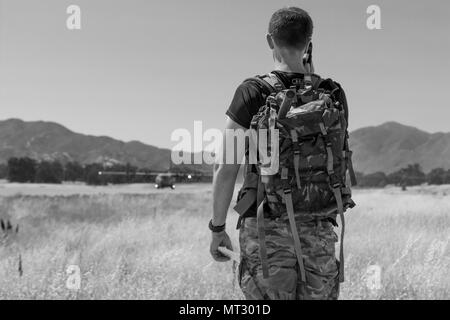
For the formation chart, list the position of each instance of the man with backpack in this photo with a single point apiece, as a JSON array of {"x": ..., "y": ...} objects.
[{"x": 287, "y": 216}]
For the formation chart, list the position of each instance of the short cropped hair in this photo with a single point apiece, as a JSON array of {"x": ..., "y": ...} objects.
[{"x": 291, "y": 27}]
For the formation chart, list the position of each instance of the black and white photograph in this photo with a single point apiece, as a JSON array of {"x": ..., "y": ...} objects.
[{"x": 239, "y": 151}]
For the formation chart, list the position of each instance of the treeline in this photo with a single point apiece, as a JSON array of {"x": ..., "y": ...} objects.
[
  {"x": 29, "y": 170},
  {"x": 410, "y": 176}
]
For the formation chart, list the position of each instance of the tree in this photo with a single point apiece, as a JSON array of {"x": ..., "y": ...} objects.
[
  {"x": 375, "y": 180},
  {"x": 91, "y": 175},
  {"x": 437, "y": 176},
  {"x": 128, "y": 174},
  {"x": 447, "y": 177},
  {"x": 409, "y": 176},
  {"x": 49, "y": 172},
  {"x": 73, "y": 171},
  {"x": 3, "y": 171},
  {"x": 21, "y": 169}
]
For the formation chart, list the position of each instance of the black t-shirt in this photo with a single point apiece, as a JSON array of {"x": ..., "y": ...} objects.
[{"x": 250, "y": 96}]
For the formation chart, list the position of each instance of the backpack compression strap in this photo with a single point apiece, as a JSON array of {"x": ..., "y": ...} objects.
[
  {"x": 287, "y": 194},
  {"x": 261, "y": 228},
  {"x": 336, "y": 187}
]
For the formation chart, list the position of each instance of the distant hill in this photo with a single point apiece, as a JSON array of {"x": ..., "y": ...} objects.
[
  {"x": 391, "y": 146},
  {"x": 48, "y": 141},
  {"x": 386, "y": 148}
]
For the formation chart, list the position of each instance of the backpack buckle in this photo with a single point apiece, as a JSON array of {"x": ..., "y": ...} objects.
[
  {"x": 277, "y": 86},
  {"x": 334, "y": 180},
  {"x": 336, "y": 185}
]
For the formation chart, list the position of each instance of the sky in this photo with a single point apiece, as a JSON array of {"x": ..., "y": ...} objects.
[{"x": 138, "y": 70}]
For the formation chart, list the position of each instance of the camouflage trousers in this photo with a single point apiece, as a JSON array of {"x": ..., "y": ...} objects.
[{"x": 318, "y": 241}]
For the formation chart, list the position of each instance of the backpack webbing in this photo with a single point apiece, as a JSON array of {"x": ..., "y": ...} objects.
[
  {"x": 337, "y": 195},
  {"x": 287, "y": 194}
]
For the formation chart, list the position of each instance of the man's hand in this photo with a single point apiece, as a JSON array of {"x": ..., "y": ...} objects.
[{"x": 220, "y": 239}]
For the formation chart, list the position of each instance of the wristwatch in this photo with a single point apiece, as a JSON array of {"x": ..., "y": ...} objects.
[{"x": 214, "y": 228}]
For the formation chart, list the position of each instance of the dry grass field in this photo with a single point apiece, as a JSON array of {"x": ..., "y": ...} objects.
[{"x": 134, "y": 242}]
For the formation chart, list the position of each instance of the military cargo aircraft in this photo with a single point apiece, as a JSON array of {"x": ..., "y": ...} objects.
[{"x": 164, "y": 180}]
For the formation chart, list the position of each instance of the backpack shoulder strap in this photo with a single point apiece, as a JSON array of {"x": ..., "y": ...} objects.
[
  {"x": 273, "y": 81},
  {"x": 269, "y": 82},
  {"x": 315, "y": 79}
]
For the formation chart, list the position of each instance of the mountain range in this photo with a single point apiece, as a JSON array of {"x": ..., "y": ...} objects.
[
  {"x": 48, "y": 141},
  {"x": 386, "y": 148},
  {"x": 392, "y": 146}
]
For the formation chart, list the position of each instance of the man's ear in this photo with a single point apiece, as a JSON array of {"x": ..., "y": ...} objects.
[
  {"x": 270, "y": 41},
  {"x": 308, "y": 44}
]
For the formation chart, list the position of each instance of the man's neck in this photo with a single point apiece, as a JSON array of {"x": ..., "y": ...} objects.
[
  {"x": 284, "y": 67},
  {"x": 289, "y": 62}
]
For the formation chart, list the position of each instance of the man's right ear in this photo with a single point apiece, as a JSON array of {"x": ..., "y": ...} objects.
[{"x": 270, "y": 41}]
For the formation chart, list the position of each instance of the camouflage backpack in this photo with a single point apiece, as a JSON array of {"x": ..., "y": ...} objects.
[{"x": 311, "y": 156}]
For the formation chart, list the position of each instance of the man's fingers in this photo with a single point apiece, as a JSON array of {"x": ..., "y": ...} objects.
[
  {"x": 220, "y": 240},
  {"x": 230, "y": 253},
  {"x": 215, "y": 253},
  {"x": 228, "y": 245},
  {"x": 220, "y": 257}
]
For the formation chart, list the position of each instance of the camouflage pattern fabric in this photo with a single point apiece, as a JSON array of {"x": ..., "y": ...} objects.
[
  {"x": 313, "y": 146},
  {"x": 318, "y": 245},
  {"x": 314, "y": 195}
]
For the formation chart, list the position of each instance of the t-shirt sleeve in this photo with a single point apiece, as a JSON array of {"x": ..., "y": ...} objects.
[{"x": 245, "y": 104}]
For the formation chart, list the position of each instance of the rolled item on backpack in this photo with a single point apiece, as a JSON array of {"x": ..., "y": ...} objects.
[{"x": 287, "y": 97}]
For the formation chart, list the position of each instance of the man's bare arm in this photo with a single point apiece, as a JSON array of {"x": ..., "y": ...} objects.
[
  {"x": 223, "y": 188},
  {"x": 225, "y": 178}
]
